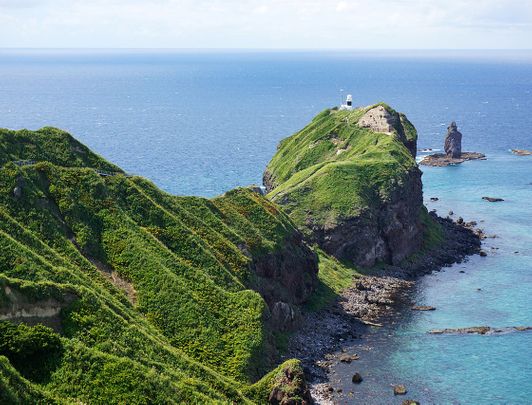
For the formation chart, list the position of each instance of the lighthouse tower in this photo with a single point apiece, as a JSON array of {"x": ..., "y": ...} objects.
[{"x": 348, "y": 105}]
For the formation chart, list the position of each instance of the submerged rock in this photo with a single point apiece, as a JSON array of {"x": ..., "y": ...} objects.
[
  {"x": 480, "y": 330},
  {"x": 492, "y": 199},
  {"x": 399, "y": 389},
  {"x": 423, "y": 308},
  {"x": 348, "y": 358},
  {"x": 357, "y": 378}
]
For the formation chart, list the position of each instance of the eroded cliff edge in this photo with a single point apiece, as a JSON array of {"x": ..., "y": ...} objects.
[{"x": 350, "y": 181}]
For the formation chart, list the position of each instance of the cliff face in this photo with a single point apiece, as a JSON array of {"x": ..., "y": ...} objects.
[
  {"x": 349, "y": 180},
  {"x": 137, "y": 280}
]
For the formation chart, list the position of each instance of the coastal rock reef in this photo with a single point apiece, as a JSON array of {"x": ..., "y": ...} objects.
[
  {"x": 453, "y": 151},
  {"x": 350, "y": 182}
]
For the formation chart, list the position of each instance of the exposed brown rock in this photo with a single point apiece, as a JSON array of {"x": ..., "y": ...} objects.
[
  {"x": 378, "y": 119},
  {"x": 423, "y": 308},
  {"x": 399, "y": 389},
  {"x": 522, "y": 152}
]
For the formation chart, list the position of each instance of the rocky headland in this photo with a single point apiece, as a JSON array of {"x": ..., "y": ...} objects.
[
  {"x": 209, "y": 292},
  {"x": 350, "y": 182}
]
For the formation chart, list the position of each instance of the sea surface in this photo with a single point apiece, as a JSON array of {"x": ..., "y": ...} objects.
[{"x": 204, "y": 122}]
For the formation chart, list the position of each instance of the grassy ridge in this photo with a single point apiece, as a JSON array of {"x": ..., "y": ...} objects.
[
  {"x": 162, "y": 312},
  {"x": 335, "y": 169}
]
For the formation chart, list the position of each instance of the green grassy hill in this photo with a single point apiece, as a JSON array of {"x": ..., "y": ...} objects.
[
  {"x": 145, "y": 297},
  {"x": 350, "y": 186}
]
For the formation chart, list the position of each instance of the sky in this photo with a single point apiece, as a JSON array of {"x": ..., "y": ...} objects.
[{"x": 275, "y": 24}]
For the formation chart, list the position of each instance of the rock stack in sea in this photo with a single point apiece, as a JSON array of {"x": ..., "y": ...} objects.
[{"x": 453, "y": 142}]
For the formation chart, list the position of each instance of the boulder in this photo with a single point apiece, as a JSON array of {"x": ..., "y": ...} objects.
[
  {"x": 348, "y": 358},
  {"x": 284, "y": 316},
  {"x": 399, "y": 389},
  {"x": 357, "y": 378},
  {"x": 17, "y": 192},
  {"x": 453, "y": 142}
]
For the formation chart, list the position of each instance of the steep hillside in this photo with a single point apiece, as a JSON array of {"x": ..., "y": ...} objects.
[
  {"x": 350, "y": 181},
  {"x": 145, "y": 297}
]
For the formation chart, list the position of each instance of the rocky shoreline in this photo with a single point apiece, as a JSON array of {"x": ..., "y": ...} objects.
[{"x": 367, "y": 301}]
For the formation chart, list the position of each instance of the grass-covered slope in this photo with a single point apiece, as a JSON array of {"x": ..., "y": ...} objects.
[
  {"x": 349, "y": 187},
  {"x": 149, "y": 294}
]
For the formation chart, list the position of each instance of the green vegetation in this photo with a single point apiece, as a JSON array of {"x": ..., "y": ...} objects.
[
  {"x": 334, "y": 277},
  {"x": 433, "y": 237},
  {"x": 334, "y": 169},
  {"x": 154, "y": 289}
]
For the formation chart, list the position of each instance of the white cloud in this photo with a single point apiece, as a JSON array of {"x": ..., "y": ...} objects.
[{"x": 266, "y": 24}]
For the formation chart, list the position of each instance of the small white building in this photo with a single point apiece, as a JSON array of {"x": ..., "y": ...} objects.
[{"x": 348, "y": 105}]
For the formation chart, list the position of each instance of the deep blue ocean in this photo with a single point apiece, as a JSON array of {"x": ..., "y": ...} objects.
[{"x": 204, "y": 122}]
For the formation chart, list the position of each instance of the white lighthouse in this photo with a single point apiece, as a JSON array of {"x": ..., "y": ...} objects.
[{"x": 348, "y": 105}]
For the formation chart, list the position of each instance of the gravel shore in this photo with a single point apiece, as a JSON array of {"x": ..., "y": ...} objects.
[{"x": 367, "y": 302}]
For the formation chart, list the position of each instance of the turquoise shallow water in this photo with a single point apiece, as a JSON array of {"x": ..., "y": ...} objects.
[
  {"x": 457, "y": 369},
  {"x": 202, "y": 123}
]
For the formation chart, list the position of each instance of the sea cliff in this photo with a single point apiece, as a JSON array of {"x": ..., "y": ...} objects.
[{"x": 350, "y": 181}]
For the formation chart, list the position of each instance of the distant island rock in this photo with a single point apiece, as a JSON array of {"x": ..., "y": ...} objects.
[
  {"x": 522, "y": 152},
  {"x": 453, "y": 151}
]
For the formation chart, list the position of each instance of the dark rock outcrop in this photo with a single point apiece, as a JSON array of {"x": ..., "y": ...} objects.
[
  {"x": 453, "y": 141},
  {"x": 357, "y": 378},
  {"x": 285, "y": 279},
  {"x": 389, "y": 232},
  {"x": 492, "y": 199}
]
